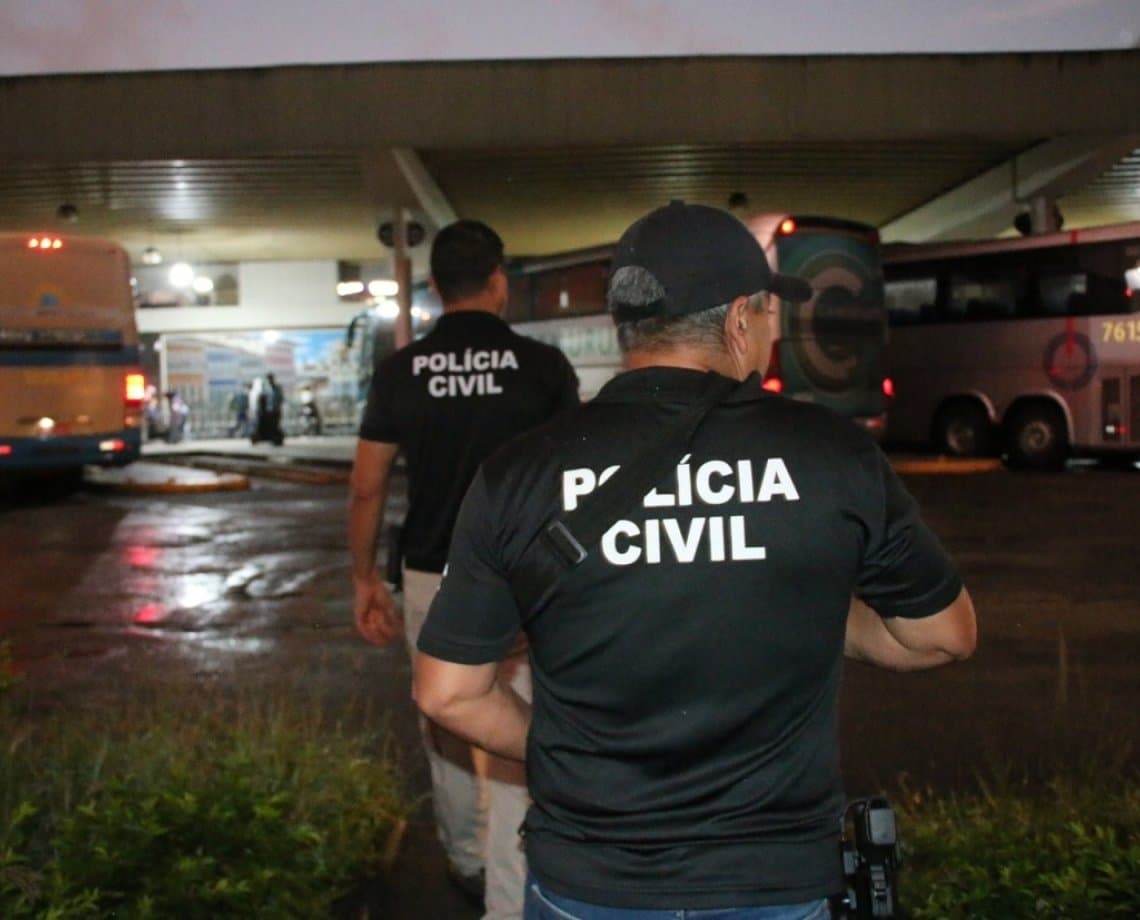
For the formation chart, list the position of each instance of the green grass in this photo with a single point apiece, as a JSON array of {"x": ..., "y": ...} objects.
[
  {"x": 1065, "y": 848},
  {"x": 187, "y": 805}
]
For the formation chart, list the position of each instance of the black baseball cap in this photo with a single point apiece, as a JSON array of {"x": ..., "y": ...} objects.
[{"x": 684, "y": 258}]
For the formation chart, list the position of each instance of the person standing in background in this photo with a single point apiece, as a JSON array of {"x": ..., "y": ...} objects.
[
  {"x": 239, "y": 406},
  {"x": 267, "y": 400},
  {"x": 446, "y": 402}
]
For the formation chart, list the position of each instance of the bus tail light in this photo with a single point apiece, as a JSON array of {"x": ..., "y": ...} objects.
[
  {"x": 888, "y": 388},
  {"x": 773, "y": 382},
  {"x": 134, "y": 390},
  {"x": 45, "y": 242},
  {"x": 5, "y": 450},
  {"x": 113, "y": 446}
]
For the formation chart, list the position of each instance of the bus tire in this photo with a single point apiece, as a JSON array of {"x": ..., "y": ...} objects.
[
  {"x": 1036, "y": 438},
  {"x": 963, "y": 429}
]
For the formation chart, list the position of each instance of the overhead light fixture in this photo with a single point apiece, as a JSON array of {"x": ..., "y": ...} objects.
[
  {"x": 349, "y": 288},
  {"x": 151, "y": 256},
  {"x": 383, "y": 287},
  {"x": 203, "y": 284}
]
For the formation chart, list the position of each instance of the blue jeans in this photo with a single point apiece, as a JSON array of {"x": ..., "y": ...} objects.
[{"x": 544, "y": 905}]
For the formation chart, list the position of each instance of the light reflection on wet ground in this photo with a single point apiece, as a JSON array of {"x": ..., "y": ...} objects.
[
  {"x": 223, "y": 577},
  {"x": 101, "y": 591}
]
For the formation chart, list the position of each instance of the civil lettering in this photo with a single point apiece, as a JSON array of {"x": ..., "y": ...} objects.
[
  {"x": 626, "y": 542},
  {"x": 484, "y": 384}
]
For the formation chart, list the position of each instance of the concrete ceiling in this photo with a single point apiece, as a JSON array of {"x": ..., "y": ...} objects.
[{"x": 304, "y": 163}]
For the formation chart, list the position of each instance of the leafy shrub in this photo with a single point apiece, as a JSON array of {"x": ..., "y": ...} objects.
[
  {"x": 9, "y": 675},
  {"x": 201, "y": 810},
  {"x": 1070, "y": 849}
]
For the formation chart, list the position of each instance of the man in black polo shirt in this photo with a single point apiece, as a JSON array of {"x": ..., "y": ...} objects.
[
  {"x": 682, "y": 748},
  {"x": 447, "y": 401}
]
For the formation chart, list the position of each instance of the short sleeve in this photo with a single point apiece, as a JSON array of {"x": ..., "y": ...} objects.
[
  {"x": 906, "y": 572},
  {"x": 568, "y": 391},
  {"x": 379, "y": 420},
  {"x": 473, "y": 618}
]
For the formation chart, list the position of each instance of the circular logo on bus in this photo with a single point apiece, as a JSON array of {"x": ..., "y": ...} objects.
[
  {"x": 1070, "y": 360},
  {"x": 830, "y": 331}
]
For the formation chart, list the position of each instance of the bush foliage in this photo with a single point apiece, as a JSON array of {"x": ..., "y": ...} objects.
[
  {"x": 188, "y": 806},
  {"x": 1069, "y": 849},
  {"x": 200, "y": 810}
]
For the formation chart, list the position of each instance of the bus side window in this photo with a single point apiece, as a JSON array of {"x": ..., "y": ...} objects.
[
  {"x": 983, "y": 298},
  {"x": 1063, "y": 294},
  {"x": 910, "y": 300}
]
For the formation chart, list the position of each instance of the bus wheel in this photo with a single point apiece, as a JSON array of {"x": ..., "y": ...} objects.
[
  {"x": 1036, "y": 438},
  {"x": 963, "y": 429}
]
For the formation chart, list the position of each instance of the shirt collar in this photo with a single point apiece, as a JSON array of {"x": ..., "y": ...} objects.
[
  {"x": 469, "y": 318},
  {"x": 669, "y": 384}
]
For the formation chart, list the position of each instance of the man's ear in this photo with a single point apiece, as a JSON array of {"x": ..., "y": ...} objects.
[
  {"x": 736, "y": 323},
  {"x": 500, "y": 287}
]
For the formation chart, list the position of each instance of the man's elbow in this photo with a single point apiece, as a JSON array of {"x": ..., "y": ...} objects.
[
  {"x": 429, "y": 698},
  {"x": 962, "y": 640},
  {"x": 435, "y": 692}
]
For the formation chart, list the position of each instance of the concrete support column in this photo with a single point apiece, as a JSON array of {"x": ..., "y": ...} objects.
[
  {"x": 1043, "y": 215},
  {"x": 402, "y": 273}
]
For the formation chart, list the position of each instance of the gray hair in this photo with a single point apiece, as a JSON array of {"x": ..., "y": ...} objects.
[{"x": 703, "y": 329}]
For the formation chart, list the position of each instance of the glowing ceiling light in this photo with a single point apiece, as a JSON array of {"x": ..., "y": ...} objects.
[
  {"x": 202, "y": 284},
  {"x": 181, "y": 274},
  {"x": 383, "y": 287}
]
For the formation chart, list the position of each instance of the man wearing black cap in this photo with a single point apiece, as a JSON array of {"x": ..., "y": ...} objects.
[
  {"x": 681, "y": 752},
  {"x": 446, "y": 402}
]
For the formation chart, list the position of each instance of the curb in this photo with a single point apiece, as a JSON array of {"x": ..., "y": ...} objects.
[
  {"x": 145, "y": 477},
  {"x": 946, "y": 465}
]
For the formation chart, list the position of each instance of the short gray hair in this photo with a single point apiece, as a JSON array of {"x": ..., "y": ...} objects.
[{"x": 704, "y": 329}]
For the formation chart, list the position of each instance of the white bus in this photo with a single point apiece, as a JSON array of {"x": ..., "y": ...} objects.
[
  {"x": 71, "y": 389},
  {"x": 1026, "y": 347},
  {"x": 827, "y": 351}
]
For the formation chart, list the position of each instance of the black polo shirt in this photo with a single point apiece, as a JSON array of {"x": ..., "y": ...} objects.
[
  {"x": 449, "y": 400},
  {"x": 683, "y": 751}
]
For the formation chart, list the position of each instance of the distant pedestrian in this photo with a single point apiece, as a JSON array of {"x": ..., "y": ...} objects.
[
  {"x": 267, "y": 401},
  {"x": 178, "y": 428},
  {"x": 239, "y": 406}
]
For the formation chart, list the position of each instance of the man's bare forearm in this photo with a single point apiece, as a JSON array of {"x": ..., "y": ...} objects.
[
  {"x": 869, "y": 640},
  {"x": 365, "y": 513},
  {"x": 475, "y": 703}
]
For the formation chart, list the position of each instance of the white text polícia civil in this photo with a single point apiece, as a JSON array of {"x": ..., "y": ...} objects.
[
  {"x": 466, "y": 373},
  {"x": 715, "y": 538}
]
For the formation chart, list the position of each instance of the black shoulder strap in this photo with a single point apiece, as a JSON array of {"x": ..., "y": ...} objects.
[{"x": 565, "y": 541}]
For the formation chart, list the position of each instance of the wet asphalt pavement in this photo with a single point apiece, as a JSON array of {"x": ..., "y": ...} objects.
[{"x": 105, "y": 592}]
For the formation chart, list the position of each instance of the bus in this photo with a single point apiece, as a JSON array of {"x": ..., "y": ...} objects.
[
  {"x": 71, "y": 388},
  {"x": 827, "y": 350},
  {"x": 1026, "y": 347}
]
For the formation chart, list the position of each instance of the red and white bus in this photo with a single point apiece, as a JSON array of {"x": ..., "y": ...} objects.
[{"x": 1028, "y": 347}]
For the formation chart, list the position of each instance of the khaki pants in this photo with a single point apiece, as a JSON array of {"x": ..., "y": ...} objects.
[{"x": 480, "y": 800}]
